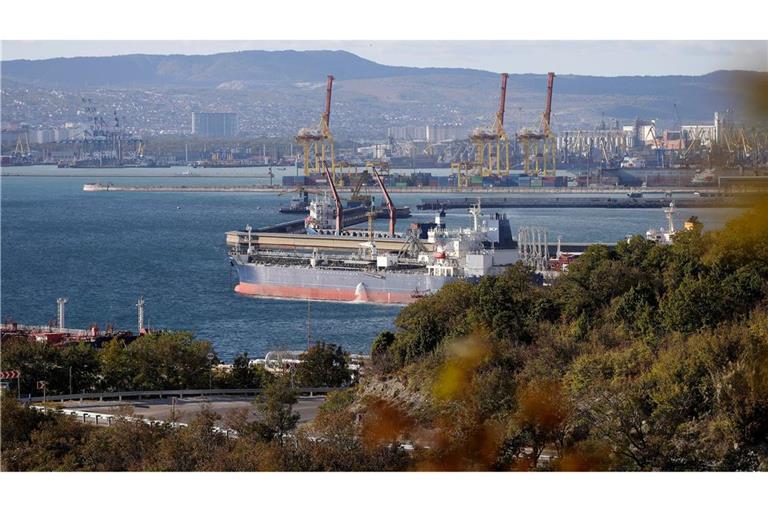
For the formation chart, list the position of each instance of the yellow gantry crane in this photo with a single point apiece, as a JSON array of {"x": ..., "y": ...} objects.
[
  {"x": 540, "y": 146},
  {"x": 492, "y": 144},
  {"x": 317, "y": 141}
]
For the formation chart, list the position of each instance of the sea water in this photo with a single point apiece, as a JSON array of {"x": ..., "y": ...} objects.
[{"x": 104, "y": 250}]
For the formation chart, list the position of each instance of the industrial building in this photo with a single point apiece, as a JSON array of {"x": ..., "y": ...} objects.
[
  {"x": 429, "y": 133},
  {"x": 214, "y": 124}
]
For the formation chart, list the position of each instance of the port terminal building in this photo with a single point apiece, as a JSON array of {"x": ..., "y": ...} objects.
[{"x": 214, "y": 124}]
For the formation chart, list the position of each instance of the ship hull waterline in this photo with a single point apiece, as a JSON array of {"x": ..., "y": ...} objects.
[{"x": 353, "y": 286}]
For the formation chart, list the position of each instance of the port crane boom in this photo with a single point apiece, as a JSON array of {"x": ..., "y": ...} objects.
[
  {"x": 548, "y": 110},
  {"x": 390, "y": 204},
  {"x": 502, "y": 107},
  {"x": 540, "y": 146},
  {"x": 318, "y": 140},
  {"x": 489, "y": 142},
  {"x": 327, "y": 112},
  {"x": 336, "y": 198}
]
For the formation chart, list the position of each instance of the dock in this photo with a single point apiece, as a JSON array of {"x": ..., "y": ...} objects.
[
  {"x": 585, "y": 202},
  {"x": 319, "y": 189}
]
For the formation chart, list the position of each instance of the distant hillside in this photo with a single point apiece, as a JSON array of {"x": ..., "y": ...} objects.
[
  {"x": 203, "y": 70},
  {"x": 277, "y": 92}
]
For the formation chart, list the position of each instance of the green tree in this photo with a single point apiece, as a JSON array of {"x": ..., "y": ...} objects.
[
  {"x": 323, "y": 365},
  {"x": 117, "y": 368},
  {"x": 504, "y": 305},
  {"x": 37, "y": 361},
  {"x": 381, "y": 358},
  {"x": 81, "y": 361},
  {"x": 243, "y": 375},
  {"x": 275, "y": 407},
  {"x": 424, "y": 324}
]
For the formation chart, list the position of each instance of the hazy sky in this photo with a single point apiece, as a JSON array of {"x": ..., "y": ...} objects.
[{"x": 606, "y": 58}]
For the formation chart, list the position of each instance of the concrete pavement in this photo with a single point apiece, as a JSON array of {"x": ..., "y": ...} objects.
[{"x": 187, "y": 408}]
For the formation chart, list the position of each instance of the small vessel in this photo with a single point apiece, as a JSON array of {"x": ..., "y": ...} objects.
[
  {"x": 96, "y": 187},
  {"x": 299, "y": 203},
  {"x": 704, "y": 177},
  {"x": 633, "y": 162}
]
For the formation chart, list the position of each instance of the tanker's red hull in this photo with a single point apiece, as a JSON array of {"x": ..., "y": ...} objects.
[{"x": 331, "y": 294}]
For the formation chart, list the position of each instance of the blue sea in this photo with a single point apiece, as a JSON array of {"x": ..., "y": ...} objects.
[{"x": 104, "y": 250}]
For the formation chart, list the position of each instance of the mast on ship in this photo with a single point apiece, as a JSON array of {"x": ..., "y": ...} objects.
[{"x": 670, "y": 218}]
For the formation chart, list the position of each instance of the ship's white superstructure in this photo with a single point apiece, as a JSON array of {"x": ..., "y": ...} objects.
[{"x": 664, "y": 235}]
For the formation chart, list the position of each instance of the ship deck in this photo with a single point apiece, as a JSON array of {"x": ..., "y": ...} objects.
[{"x": 349, "y": 241}]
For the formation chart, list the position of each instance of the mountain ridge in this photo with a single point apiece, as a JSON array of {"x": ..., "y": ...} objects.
[
  {"x": 277, "y": 92},
  {"x": 207, "y": 70},
  {"x": 276, "y": 65}
]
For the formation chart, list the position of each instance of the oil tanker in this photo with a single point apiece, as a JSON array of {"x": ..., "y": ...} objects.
[
  {"x": 328, "y": 262},
  {"x": 358, "y": 265}
]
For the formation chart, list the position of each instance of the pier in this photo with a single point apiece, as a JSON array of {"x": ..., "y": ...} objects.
[
  {"x": 319, "y": 189},
  {"x": 548, "y": 201}
]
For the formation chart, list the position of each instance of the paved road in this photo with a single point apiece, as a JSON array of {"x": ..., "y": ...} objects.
[{"x": 188, "y": 408}]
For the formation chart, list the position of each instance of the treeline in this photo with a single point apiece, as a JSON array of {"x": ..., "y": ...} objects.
[
  {"x": 157, "y": 361},
  {"x": 48, "y": 441},
  {"x": 641, "y": 357}
]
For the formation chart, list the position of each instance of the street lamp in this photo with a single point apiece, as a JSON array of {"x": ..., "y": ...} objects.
[{"x": 210, "y": 370}]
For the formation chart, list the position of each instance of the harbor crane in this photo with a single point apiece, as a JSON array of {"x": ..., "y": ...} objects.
[
  {"x": 541, "y": 145},
  {"x": 317, "y": 141},
  {"x": 491, "y": 142}
]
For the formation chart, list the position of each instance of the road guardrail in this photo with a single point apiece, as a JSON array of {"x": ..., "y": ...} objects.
[{"x": 167, "y": 393}]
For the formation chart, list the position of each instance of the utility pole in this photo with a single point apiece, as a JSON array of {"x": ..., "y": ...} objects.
[
  {"x": 61, "y": 301},
  {"x": 309, "y": 322},
  {"x": 70, "y": 380},
  {"x": 140, "y": 307},
  {"x": 210, "y": 357}
]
